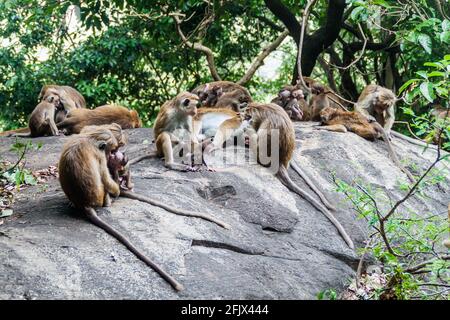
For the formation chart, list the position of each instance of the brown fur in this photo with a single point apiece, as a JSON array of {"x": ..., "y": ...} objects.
[
  {"x": 292, "y": 100},
  {"x": 343, "y": 121},
  {"x": 79, "y": 118},
  {"x": 69, "y": 99},
  {"x": 223, "y": 94},
  {"x": 85, "y": 179},
  {"x": 272, "y": 117},
  {"x": 41, "y": 122},
  {"x": 376, "y": 102}
]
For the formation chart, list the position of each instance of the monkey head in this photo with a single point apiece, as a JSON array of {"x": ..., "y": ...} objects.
[
  {"x": 384, "y": 100},
  {"x": 237, "y": 100},
  {"x": 116, "y": 130},
  {"x": 187, "y": 103},
  {"x": 135, "y": 119},
  {"x": 327, "y": 114},
  {"x": 288, "y": 98},
  {"x": 209, "y": 96}
]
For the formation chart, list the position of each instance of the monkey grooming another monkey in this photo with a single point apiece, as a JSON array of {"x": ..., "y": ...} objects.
[
  {"x": 86, "y": 181},
  {"x": 77, "y": 119},
  {"x": 377, "y": 102},
  {"x": 292, "y": 100},
  {"x": 223, "y": 94},
  {"x": 343, "y": 121},
  {"x": 42, "y": 119},
  {"x": 268, "y": 119},
  {"x": 69, "y": 97},
  {"x": 173, "y": 126}
]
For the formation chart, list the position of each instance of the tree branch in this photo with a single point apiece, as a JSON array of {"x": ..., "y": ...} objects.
[
  {"x": 199, "y": 47},
  {"x": 259, "y": 61},
  {"x": 286, "y": 17}
]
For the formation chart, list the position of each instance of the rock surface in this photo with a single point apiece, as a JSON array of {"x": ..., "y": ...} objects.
[{"x": 279, "y": 246}]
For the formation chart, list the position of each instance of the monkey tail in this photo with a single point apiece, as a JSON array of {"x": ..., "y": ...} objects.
[
  {"x": 391, "y": 151},
  {"x": 312, "y": 185},
  {"x": 94, "y": 218},
  {"x": 181, "y": 212},
  {"x": 152, "y": 154},
  {"x": 286, "y": 180}
]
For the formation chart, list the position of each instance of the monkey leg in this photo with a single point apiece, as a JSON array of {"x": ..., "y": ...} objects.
[
  {"x": 94, "y": 218},
  {"x": 164, "y": 146},
  {"x": 286, "y": 180},
  {"x": 364, "y": 131},
  {"x": 312, "y": 185},
  {"x": 181, "y": 212},
  {"x": 51, "y": 123},
  {"x": 333, "y": 127},
  {"x": 107, "y": 200}
]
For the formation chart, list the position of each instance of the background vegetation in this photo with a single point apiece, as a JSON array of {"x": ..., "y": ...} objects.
[
  {"x": 130, "y": 52},
  {"x": 139, "y": 53}
]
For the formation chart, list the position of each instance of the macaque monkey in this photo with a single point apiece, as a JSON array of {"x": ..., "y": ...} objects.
[
  {"x": 223, "y": 94},
  {"x": 77, "y": 119},
  {"x": 216, "y": 123},
  {"x": 319, "y": 101},
  {"x": 173, "y": 126},
  {"x": 292, "y": 100},
  {"x": 86, "y": 181},
  {"x": 376, "y": 102},
  {"x": 69, "y": 97},
  {"x": 343, "y": 121},
  {"x": 262, "y": 119},
  {"x": 42, "y": 119}
]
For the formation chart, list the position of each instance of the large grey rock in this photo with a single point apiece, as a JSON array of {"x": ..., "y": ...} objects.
[{"x": 279, "y": 246}]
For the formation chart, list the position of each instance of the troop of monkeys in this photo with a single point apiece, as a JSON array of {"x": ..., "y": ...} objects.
[{"x": 92, "y": 168}]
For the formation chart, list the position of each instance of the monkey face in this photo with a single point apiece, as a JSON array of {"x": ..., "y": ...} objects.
[
  {"x": 188, "y": 103},
  {"x": 326, "y": 114}
]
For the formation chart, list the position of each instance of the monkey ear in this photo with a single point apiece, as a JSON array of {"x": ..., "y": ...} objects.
[{"x": 186, "y": 102}]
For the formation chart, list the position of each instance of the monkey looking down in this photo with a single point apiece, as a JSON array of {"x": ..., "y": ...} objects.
[
  {"x": 292, "y": 100},
  {"x": 264, "y": 118},
  {"x": 69, "y": 97},
  {"x": 343, "y": 121},
  {"x": 86, "y": 181},
  {"x": 223, "y": 94},
  {"x": 376, "y": 102},
  {"x": 77, "y": 119},
  {"x": 42, "y": 119}
]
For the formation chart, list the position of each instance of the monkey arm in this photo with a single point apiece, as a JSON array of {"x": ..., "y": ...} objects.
[
  {"x": 110, "y": 185},
  {"x": 333, "y": 127},
  {"x": 389, "y": 120}
]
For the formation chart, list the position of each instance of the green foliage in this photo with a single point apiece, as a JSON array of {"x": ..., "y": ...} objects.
[
  {"x": 432, "y": 86},
  {"x": 328, "y": 294},
  {"x": 18, "y": 174}
]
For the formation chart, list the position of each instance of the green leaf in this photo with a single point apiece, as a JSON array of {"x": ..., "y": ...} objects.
[
  {"x": 447, "y": 57},
  {"x": 406, "y": 85},
  {"x": 423, "y": 74},
  {"x": 436, "y": 74},
  {"x": 446, "y": 25},
  {"x": 445, "y": 37},
  {"x": 426, "y": 88},
  {"x": 425, "y": 42}
]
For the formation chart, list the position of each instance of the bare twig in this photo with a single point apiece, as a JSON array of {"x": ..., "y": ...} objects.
[
  {"x": 259, "y": 61},
  {"x": 306, "y": 12},
  {"x": 199, "y": 47}
]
